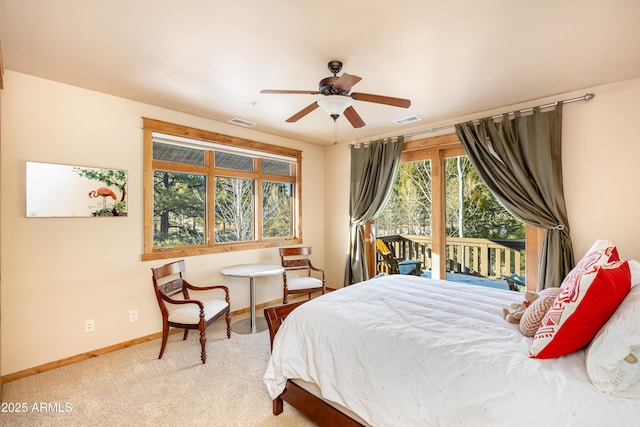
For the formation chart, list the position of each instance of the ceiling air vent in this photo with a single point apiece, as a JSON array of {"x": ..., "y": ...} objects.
[
  {"x": 241, "y": 122},
  {"x": 407, "y": 120}
]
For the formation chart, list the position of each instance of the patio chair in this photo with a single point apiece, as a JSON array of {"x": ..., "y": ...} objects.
[
  {"x": 396, "y": 265},
  {"x": 515, "y": 283}
]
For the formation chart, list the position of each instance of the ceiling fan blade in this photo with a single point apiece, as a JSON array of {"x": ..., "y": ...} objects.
[
  {"x": 346, "y": 81},
  {"x": 305, "y": 92},
  {"x": 353, "y": 117},
  {"x": 300, "y": 114},
  {"x": 379, "y": 99}
]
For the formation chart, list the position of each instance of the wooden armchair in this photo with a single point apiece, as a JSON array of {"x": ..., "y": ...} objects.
[
  {"x": 179, "y": 310},
  {"x": 299, "y": 259}
]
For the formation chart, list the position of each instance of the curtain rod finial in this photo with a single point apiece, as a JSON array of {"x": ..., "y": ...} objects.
[{"x": 589, "y": 96}]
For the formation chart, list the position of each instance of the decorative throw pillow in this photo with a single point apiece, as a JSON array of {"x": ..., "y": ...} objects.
[
  {"x": 583, "y": 306},
  {"x": 530, "y": 320},
  {"x": 601, "y": 252},
  {"x": 612, "y": 358}
]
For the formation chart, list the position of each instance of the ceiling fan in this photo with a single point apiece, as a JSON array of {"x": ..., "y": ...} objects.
[{"x": 337, "y": 97}]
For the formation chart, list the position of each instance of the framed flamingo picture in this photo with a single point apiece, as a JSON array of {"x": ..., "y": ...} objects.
[{"x": 55, "y": 190}]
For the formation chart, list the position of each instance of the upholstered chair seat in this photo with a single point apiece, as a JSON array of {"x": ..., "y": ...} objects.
[{"x": 190, "y": 313}]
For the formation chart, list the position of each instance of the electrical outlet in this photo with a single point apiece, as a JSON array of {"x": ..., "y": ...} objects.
[
  {"x": 89, "y": 325},
  {"x": 133, "y": 315}
]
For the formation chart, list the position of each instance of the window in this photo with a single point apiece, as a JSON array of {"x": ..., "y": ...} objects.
[
  {"x": 206, "y": 193},
  {"x": 441, "y": 212}
]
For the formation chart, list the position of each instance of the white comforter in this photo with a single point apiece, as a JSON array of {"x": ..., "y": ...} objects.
[{"x": 409, "y": 351}]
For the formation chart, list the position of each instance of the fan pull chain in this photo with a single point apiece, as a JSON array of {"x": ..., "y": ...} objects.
[{"x": 335, "y": 132}]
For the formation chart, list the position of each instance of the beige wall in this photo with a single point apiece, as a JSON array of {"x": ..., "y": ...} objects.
[
  {"x": 601, "y": 152},
  {"x": 56, "y": 273},
  {"x": 59, "y": 272}
]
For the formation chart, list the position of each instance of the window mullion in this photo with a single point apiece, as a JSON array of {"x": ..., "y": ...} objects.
[
  {"x": 258, "y": 200},
  {"x": 178, "y": 167},
  {"x": 211, "y": 197}
]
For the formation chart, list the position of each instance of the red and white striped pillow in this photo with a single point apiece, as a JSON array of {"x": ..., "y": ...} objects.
[{"x": 530, "y": 320}]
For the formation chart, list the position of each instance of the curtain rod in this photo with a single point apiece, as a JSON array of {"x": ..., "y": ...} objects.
[{"x": 585, "y": 97}]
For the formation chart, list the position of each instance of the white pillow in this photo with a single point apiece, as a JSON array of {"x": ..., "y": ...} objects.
[
  {"x": 634, "y": 266},
  {"x": 613, "y": 357}
]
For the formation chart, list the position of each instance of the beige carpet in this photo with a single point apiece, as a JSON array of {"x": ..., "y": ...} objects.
[{"x": 131, "y": 387}]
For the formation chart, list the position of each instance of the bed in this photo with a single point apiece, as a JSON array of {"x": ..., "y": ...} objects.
[{"x": 410, "y": 351}]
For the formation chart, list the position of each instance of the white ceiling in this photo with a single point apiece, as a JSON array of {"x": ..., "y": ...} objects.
[{"x": 211, "y": 58}]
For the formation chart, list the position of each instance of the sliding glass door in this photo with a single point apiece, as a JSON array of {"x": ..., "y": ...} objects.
[
  {"x": 482, "y": 239},
  {"x": 441, "y": 213}
]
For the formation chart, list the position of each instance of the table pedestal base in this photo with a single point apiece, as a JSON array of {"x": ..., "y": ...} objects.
[
  {"x": 253, "y": 324},
  {"x": 244, "y": 326}
]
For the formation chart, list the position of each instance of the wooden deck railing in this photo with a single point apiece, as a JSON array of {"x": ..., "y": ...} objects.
[{"x": 485, "y": 257}]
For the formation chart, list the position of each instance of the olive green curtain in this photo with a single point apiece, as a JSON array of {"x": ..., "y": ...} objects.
[
  {"x": 520, "y": 161},
  {"x": 374, "y": 167}
]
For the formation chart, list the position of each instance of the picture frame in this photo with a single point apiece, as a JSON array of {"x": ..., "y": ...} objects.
[{"x": 58, "y": 190}]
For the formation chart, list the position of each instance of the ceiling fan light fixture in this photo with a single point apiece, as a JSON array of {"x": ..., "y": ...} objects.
[
  {"x": 336, "y": 97},
  {"x": 334, "y": 105}
]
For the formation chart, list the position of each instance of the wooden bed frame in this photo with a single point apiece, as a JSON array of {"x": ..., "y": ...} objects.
[{"x": 310, "y": 405}]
